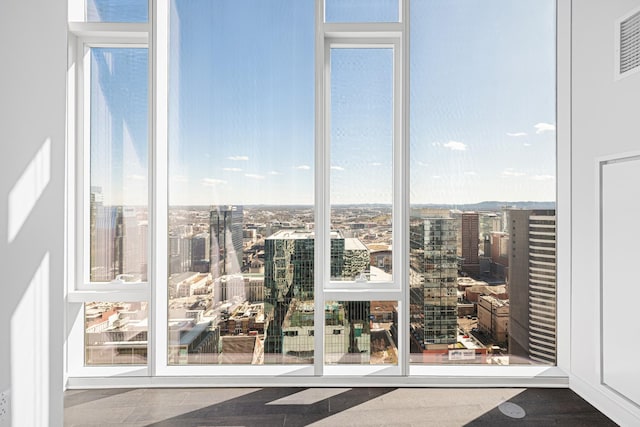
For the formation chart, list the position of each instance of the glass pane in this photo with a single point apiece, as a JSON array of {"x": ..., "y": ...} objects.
[
  {"x": 116, "y": 333},
  {"x": 117, "y": 10},
  {"x": 362, "y": 10},
  {"x": 482, "y": 261},
  {"x": 361, "y": 332},
  {"x": 241, "y": 146},
  {"x": 118, "y": 214},
  {"x": 361, "y": 164}
]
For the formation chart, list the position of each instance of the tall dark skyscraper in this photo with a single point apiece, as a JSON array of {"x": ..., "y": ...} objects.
[
  {"x": 225, "y": 234},
  {"x": 532, "y": 284},
  {"x": 470, "y": 239},
  {"x": 433, "y": 287},
  {"x": 200, "y": 253}
]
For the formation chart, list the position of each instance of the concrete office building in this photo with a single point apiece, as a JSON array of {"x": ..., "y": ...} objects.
[{"x": 532, "y": 284}]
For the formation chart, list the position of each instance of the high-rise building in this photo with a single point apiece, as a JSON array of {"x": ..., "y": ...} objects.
[
  {"x": 200, "y": 253},
  {"x": 499, "y": 255},
  {"x": 95, "y": 205},
  {"x": 532, "y": 284},
  {"x": 133, "y": 235},
  {"x": 289, "y": 274},
  {"x": 470, "y": 239},
  {"x": 107, "y": 244},
  {"x": 117, "y": 240},
  {"x": 225, "y": 234},
  {"x": 433, "y": 291}
]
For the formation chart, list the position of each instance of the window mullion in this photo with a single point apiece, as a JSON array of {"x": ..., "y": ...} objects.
[
  {"x": 359, "y": 36},
  {"x": 321, "y": 189},
  {"x": 404, "y": 177},
  {"x": 159, "y": 183}
]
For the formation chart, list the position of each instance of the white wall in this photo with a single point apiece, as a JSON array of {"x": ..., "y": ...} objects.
[
  {"x": 605, "y": 122},
  {"x": 33, "y": 54}
]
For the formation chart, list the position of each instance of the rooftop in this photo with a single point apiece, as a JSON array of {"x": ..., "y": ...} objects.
[
  {"x": 354, "y": 244},
  {"x": 299, "y": 234}
]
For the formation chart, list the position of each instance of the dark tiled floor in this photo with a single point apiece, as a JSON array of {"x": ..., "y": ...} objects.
[{"x": 329, "y": 407}]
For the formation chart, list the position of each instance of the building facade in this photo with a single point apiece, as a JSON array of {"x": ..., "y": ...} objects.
[
  {"x": 532, "y": 284},
  {"x": 225, "y": 234},
  {"x": 289, "y": 282},
  {"x": 433, "y": 291},
  {"x": 470, "y": 231}
]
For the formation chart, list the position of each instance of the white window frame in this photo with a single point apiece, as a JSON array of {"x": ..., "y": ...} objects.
[
  {"x": 79, "y": 289},
  {"x": 157, "y": 372},
  {"x": 362, "y": 35}
]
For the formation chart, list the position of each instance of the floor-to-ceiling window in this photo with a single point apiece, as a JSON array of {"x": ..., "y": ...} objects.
[{"x": 311, "y": 187}]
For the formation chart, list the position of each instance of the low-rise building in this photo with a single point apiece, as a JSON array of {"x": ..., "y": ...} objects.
[{"x": 493, "y": 317}]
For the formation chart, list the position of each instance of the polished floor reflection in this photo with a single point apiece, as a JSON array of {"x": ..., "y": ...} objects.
[{"x": 262, "y": 407}]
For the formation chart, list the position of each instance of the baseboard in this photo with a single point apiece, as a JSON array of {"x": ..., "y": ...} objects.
[{"x": 620, "y": 410}]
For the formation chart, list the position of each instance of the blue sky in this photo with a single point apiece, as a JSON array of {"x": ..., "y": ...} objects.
[
  {"x": 242, "y": 104},
  {"x": 482, "y": 101}
]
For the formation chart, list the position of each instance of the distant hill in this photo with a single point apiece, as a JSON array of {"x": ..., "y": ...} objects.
[
  {"x": 481, "y": 206},
  {"x": 490, "y": 206}
]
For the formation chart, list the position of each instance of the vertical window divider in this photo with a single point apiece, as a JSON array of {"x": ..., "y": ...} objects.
[
  {"x": 362, "y": 35},
  {"x": 84, "y": 157},
  {"x": 405, "y": 179},
  {"x": 158, "y": 59},
  {"x": 153, "y": 173},
  {"x": 321, "y": 188}
]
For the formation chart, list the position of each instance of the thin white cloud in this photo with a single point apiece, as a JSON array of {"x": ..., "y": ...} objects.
[
  {"x": 137, "y": 177},
  {"x": 238, "y": 158},
  {"x": 376, "y": 164},
  {"x": 544, "y": 127},
  {"x": 337, "y": 168},
  {"x": 275, "y": 173},
  {"x": 510, "y": 172},
  {"x": 254, "y": 176},
  {"x": 419, "y": 163},
  {"x": 212, "y": 182},
  {"x": 470, "y": 173},
  {"x": 544, "y": 177},
  {"x": 455, "y": 146},
  {"x": 516, "y": 134},
  {"x": 436, "y": 177},
  {"x": 526, "y": 144},
  {"x": 179, "y": 178},
  {"x": 232, "y": 169},
  {"x": 303, "y": 167}
]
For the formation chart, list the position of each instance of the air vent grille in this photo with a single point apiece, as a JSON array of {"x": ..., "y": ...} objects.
[{"x": 630, "y": 43}]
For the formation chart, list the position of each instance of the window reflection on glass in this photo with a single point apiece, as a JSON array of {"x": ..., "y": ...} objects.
[
  {"x": 117, "y": 10},
  {"x": 118, "y": 204},
  {"x": 241, "y": 143},
  {"x": 482, "y": 228},
  {"x": 361, "y": 164},
  {"x": 359, "y": 332},
  {"x": 116, "y": 333}
]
